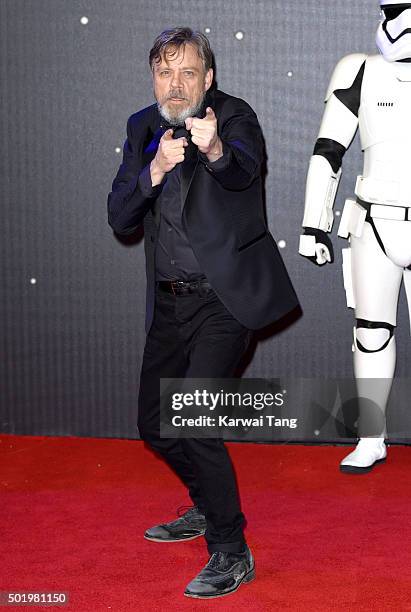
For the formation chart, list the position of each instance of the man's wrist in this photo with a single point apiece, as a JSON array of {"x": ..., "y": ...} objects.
[
  {"x": 157, "y": 175},
  {"x": 145, "y": 183},
  {"x": 216, "y": 151}
]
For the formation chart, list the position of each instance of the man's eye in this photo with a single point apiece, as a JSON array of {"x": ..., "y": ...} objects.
[
  {"x": 189, "y": 73},
  {"x": 164, "y": 73}
]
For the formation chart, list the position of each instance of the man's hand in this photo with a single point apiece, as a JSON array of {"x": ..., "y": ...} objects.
[
  {"x": 204, "y": 134},
  {"x": 170, "y": 152}
]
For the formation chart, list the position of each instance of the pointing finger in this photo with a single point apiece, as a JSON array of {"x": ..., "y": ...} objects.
[
  {"x": 168, "y": 135},
  {"x": 210, "y": 113}
]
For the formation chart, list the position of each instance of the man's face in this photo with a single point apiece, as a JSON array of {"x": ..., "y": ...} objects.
[{"x": 180, "y": 83}]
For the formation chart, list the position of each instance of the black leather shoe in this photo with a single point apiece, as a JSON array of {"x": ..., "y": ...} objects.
[
  {"x": 223, "y": 574},
  {"x": 190, "y": 525}
]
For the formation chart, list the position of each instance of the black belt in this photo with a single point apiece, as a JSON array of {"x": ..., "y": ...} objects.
[
  {"x": 180, "y": 287},
  {"x": 370, "y": 219},
  {"x": 367, "y": 206}
]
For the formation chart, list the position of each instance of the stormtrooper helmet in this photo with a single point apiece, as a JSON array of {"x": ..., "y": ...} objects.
[{"x": 394, "y": 31}]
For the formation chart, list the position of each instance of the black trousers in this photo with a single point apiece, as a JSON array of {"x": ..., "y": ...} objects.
[{"x": 195, "y": 336}]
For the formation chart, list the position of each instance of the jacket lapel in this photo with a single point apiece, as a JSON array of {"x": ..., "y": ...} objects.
[{"x": 188, "y": 169}]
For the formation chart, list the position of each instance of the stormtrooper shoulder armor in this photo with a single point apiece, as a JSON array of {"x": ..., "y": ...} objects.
[
  {"x": 345, "y": 72},
  {"x": 338, "y": 127},
  {"x": 340, "y": 120}
]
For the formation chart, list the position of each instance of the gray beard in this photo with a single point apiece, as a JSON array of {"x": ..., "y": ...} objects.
[{"x": 179, "y": 118}]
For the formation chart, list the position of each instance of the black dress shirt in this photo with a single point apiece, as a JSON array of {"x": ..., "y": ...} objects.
[{"x": 175, "y": 258}]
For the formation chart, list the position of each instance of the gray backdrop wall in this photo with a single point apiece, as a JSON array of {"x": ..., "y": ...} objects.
[{"x": 72, "y": 295}]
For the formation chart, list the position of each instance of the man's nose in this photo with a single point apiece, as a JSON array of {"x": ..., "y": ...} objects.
[{"x": 176, "y": 80}]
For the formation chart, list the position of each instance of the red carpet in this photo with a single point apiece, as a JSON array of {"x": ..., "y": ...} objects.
[{"x": 73, "y": 511}]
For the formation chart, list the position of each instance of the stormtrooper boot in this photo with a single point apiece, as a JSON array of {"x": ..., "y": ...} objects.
[
  {"x": 374, "y": 363},
  {"x": 368, "y": 453}
]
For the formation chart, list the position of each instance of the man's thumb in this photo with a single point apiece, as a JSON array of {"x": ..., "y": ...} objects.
[
  {"x": 210, "y": 113},
  {"x": 168, "y": 135}
]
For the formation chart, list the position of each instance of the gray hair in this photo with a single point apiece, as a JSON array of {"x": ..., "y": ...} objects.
[{"x": 169, "y": 42}]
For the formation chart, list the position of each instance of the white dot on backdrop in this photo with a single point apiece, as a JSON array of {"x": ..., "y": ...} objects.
[
  {"x": 84, "y": 20},
  {"x": 290, "y": 73},
  {"x": 282, "y": 244},
  {"x": 239, "y": 35},
  {"x": 207, "y": 30},
  {"x": 33, "y": 281},
  {"x": 118, "y": 150},
  {"x": 316, "y": 432},
  {"x": 337, "y": 213}
]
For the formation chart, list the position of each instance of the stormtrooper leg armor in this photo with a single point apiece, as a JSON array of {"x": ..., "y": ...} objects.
[
  {"x": 375, "y": 283},
  {"x": 374, "y": 356}
]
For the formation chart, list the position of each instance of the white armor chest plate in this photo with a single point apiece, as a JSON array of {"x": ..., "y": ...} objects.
[{"x": 385, "y": 132}]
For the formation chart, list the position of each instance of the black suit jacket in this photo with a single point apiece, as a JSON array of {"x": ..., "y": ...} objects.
[{"x": 222, "y": 213}]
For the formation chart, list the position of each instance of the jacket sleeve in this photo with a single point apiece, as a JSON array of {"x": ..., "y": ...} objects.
[
  {"x": 242, "y": 146},
  {"x": 128, "y": 201}
]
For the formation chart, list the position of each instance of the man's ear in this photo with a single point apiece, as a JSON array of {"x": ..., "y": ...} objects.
[{"x": 208, "y": 79}]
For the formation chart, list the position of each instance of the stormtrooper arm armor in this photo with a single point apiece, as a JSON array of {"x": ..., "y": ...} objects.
[{"x": 338, "y": 127}]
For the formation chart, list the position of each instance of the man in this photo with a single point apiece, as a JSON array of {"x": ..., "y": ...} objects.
[
  {"x": 371, "y": 93},
  {"x": 191, "y": 173}
]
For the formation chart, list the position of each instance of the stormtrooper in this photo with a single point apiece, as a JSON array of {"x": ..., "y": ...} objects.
[{"x": 372, "y": 93}]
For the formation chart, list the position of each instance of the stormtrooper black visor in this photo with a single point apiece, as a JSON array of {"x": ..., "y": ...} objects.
[
  {"x": 391, "y": 11},
  {"x": 396, "y": 27},
  {"x": 393, "y": 36}
]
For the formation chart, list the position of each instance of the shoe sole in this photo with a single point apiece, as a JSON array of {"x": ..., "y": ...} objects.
[
  {"x": 247, "y": 578},
  {"x": 170, "y": 540},
  {"x": 352, "y": 469}
]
